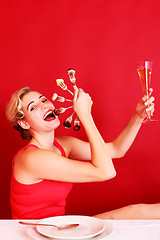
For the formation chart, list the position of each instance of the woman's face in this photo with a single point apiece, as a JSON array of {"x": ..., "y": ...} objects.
[{"x": 38, "y": 112}]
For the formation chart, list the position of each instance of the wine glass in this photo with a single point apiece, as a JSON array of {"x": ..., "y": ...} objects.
[{"x": 144, "y": 70}]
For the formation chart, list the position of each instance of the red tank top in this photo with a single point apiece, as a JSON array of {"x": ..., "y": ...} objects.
[{"x": 39, "y": 200}]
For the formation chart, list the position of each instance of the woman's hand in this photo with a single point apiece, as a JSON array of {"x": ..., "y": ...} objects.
[
  {"x": 82, "y": 103},
  {"x": 145, "y": 107}
]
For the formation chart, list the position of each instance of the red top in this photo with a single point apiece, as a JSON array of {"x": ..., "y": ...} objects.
[{"x": 38, "y": 200}]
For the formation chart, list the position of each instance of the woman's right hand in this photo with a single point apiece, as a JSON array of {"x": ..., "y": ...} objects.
[
  {"x": 145, "y": 107},
  {"x": 82, "y": 103}
]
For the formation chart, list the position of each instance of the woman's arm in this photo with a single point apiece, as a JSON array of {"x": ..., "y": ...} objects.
[
  {"x": 120, "y": 145},
  {"x": 46, "y": 164},
  {"x": 100, "y": 157}
]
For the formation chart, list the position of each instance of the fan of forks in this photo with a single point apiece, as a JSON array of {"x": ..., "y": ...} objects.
[{"x": 57, "y": 111}]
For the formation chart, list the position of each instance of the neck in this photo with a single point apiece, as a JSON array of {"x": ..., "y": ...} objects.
[{"x": 44, "y": 141}]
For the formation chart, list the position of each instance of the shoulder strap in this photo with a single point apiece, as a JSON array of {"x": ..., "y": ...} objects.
[{"x": 60, "y": 148}]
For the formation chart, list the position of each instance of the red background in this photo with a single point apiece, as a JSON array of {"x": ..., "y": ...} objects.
[{"x": 103, "y": 41}]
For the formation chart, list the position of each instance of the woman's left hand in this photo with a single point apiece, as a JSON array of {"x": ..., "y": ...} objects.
[{"x": 145, "y": 107}]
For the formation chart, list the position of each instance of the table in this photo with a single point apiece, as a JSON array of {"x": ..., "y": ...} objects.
[{"x": 122, "y": 230}]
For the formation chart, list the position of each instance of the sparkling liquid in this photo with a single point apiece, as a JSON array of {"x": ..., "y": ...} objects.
[{"x": 145, "y": 78}]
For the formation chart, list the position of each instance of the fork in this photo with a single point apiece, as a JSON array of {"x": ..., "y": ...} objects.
[
  {"x": 58, "y": 111},
  {"x": 55, "y": 97},
  {"x": 61, "y": 84},
  {"x": 68, "y": 226},
  {"x": 67, "y": 123},
  {"x": 71, "y": 73}
]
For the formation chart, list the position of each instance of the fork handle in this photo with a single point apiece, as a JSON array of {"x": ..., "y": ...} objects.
[{"x": 69, "y": 91}]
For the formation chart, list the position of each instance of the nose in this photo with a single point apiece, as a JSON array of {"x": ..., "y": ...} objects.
[{"x": 43, "y": 105}]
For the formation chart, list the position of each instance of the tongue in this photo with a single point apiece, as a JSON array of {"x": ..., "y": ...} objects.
[{"x": 50, "y": 117}]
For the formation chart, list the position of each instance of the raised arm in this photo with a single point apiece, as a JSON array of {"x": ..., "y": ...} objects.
[
  {"x": 100, "y": 157},
  {"x": 42, "y": 163},
  {"x": 120, "y": 145}
]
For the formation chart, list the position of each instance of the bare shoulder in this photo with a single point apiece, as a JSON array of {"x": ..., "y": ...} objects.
[{"x": 22, "y": 157}]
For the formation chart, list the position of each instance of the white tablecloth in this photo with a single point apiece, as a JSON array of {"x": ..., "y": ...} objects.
[{"x": 122, "y": 230}]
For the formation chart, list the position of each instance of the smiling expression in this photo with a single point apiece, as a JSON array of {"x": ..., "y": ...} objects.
[{"x": 39, "y": 112}]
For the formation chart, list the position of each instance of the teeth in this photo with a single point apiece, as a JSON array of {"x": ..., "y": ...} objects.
[{"x": 49, "y": 112}]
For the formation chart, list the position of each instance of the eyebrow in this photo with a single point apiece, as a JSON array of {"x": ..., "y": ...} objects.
[{"x": 33, "y": 101}]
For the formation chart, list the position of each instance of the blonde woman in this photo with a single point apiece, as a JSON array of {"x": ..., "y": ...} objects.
[{"x": 45, "y": 169}]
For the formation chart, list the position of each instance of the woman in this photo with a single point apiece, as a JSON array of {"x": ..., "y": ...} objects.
[{"x": 44, "y": 170}]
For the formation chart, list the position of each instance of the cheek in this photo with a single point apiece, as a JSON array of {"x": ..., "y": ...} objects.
[{"x": 33, "y": 118}]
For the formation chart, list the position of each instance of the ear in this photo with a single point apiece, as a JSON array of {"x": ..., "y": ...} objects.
[{"x": 23, "y": 124}]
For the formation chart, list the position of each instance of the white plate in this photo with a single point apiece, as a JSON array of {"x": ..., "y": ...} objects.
[
  {"x": 88, "y": 227},
  {"x": 35, "y": 235}
]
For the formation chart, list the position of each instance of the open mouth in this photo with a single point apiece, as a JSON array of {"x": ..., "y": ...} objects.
[{"x": 49, "y": 116}]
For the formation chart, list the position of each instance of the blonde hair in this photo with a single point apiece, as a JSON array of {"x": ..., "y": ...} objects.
[{"x": 14, "y": 111}]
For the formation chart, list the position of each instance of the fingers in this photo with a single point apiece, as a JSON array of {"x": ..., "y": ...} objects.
[
  {"x": 149, "y": 101},
  {"x": 150, "y": 107},
  {"x": 149, "y": 94},
  {"x": 78, "y": 92},
  {"x": 75, "y": 93},
  {"x": 82, "y": 101},
  {"x": 150, "y": 91}
]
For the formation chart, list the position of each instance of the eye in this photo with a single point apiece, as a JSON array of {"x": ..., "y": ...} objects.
[
  {"x": 44, "y": 100},
  {"x": 32, "y": 108}
]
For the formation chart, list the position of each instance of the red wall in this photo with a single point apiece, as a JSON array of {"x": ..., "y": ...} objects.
[{"x": 103, "y": 41}]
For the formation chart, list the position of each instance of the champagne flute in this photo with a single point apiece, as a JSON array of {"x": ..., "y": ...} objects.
[{"x": 144, "y": 70}]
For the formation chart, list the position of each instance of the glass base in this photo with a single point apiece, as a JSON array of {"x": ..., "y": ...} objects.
[{"x": 148, "y": 120}]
